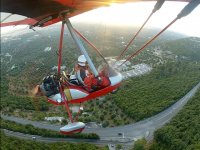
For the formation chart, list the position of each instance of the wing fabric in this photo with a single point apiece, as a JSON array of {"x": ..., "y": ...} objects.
[{"x": 46, "y": 12}]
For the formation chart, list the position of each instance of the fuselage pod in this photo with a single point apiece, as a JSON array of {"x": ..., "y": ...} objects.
[{"x": 75, "y": 94}]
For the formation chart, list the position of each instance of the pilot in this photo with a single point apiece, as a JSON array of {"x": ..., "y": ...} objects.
[
  {"x": 82, "y": 70},
  {"x": 86, "y": 77}
]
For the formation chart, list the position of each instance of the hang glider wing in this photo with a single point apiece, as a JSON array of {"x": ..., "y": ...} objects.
[{"x": 46, "y": 12}]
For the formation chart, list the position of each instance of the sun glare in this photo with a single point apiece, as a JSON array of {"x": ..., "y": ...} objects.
[{"x": 134, "y": 14}]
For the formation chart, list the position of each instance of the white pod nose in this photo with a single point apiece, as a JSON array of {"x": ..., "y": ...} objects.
[
  {"x": 72, "y": 128},
  {"x": 115, "y": 79}
]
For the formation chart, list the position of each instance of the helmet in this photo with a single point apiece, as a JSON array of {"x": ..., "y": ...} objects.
[{"x": 82, "y": 60}]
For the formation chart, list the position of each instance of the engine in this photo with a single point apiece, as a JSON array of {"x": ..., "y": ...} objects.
[{"x": 50, "y": 85}]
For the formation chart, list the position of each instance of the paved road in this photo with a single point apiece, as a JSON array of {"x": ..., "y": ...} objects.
[
  {"x": 52, "y": 140},
  {"x": 144, "y": 128}
]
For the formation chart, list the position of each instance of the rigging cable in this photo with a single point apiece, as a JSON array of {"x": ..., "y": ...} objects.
[
  {"x": 157, "y": 6},
  {"x": 59, "y": 66},
  {"x": 88, "y": 42},
  {"x": 184, "y": 12}
]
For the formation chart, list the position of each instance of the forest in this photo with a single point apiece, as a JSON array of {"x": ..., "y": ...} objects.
[
  {"x": 183, "y": 131},
  {"x": 138, "y": 98},
  {"x": 145, "y": 96},
  {"x": 187, "y": 48},
  {"x": 10, "y": 101}
]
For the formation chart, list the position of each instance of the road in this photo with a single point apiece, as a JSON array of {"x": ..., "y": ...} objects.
[
  {"x": 131, "y": 132},
  {"x": 51, "y": 140}
]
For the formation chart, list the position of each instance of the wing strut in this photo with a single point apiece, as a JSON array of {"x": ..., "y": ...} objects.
[
  {"x": 59, "y": 71},
  {"x": 184, "y": 12},
  {"x": 60, "y": 48},
  {"x": 156, "y": 7},
  {"x": 81, "y": 47}
]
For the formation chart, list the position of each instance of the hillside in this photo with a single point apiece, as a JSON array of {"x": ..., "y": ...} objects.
[
  {"x": 187, "y": 48},
  {"x": 172, "y": 76},
  {"x": 27, "y": 58}
]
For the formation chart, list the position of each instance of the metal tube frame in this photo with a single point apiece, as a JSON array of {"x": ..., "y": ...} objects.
[
  {"x": 83, "y": 51},
  {"x": 80, "y": 46},
  {"x": 59, "y": 71},
  {"x": 60, "y": 48}
]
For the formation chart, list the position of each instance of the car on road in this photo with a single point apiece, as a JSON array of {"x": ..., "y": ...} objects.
[{"x": 120, "y": 134}]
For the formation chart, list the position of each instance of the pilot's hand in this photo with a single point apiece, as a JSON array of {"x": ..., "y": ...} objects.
[{"x": 99, "y": 80}]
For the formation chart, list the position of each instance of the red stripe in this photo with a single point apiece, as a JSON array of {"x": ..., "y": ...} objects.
[
  {"x": 71, "y": 132},
  {"x": 55, "y": 103},
  {"x": 91, "y": 96},
  {"x": 95, "y": 94}
]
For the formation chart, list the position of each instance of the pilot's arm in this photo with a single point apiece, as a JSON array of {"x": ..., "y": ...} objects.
[{"x": 78, "y": 76}]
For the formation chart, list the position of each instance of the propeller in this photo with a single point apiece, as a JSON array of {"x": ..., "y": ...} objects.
[{"x": 35, "y": 94}]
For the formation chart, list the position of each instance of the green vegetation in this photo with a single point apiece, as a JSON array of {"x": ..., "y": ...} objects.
[
  {"x": 176, "y": 67},
  {"x": 30, "y": 129},
  {"x": 140, "y": 144},
  {"x": 145, "y": 96},
  {"x": 183, "y": 132},
  {"x": 10, "y": 143},
  {"x": 187, "y": 48},
  {"x": 10, "y": 102},
  {"x": 175, "y": 71},
  {"x": 105, "y": 111}
]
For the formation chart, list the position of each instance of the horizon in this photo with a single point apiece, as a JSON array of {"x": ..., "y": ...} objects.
[{"x": 120, "y": 14}]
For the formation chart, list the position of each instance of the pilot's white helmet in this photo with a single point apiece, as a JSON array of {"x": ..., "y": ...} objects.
[{"x": 82, "y": 60}]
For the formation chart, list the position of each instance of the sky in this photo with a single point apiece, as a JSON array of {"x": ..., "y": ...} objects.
[{"x": 134, "y": 14}]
